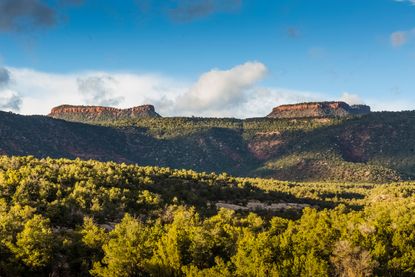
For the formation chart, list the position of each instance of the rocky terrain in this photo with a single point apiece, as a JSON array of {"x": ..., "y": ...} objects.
[
  {"x": 319, "y": 109},
  {"x": 99, "y": 113}
]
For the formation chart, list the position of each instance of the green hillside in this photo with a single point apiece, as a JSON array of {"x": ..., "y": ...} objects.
[{"x": 374, "y": 148}]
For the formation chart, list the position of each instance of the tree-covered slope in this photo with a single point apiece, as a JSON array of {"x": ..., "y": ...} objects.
[
  {"x": 377, "y": 147},
  {"x": 42, "y": 136},
  {"x": 82, "y": 218}
]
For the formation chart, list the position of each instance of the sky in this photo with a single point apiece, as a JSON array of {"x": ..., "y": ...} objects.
[{"x": 215, "y": 58}]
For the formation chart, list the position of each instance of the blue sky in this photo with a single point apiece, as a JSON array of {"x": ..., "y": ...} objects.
[{"x": 290, "y": 50}]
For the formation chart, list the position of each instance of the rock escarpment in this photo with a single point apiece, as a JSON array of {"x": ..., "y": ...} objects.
[
  {"x": 319, "y": 109},
  {"x": 99, "y": 113}
]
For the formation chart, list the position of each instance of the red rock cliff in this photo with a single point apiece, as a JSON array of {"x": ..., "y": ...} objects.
[
  {"x": 99, "y": 113},
  {"x": 318, "y": 109}
]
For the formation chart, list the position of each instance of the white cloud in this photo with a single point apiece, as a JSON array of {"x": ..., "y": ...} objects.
[
  {"x": 263, "y": 100},
  {"x": 9, "y": 100},
  {"x": 218, "y": 90},
  {"x": 351, "y": 99},
  {"x": 40, "y": 91}
]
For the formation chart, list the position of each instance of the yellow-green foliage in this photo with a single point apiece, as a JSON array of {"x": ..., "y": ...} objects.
[{"x": 80, "y": 218}]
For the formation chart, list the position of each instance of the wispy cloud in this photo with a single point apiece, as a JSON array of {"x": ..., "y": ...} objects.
[
  {"x": 72, "y": 2},
  {"x": 412, "y": 2},
  {"x": 399, "y": 38},
  {"x": 293, "y": 32},
  {"x": 188, "y": 10},
  {"x": 23, "y": 14},
  {"x": 352, "y": 99},
  {"x": 28, "y": 15}
]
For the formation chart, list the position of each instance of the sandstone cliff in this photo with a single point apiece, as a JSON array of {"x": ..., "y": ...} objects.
[
  {"x": 98, "y": 113},
  {"x": 318, "y": 109}
]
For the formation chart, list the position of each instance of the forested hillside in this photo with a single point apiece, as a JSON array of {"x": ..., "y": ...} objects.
[
  {"x": 373, "y": 148},
  {"x": 81, "y": 218}
]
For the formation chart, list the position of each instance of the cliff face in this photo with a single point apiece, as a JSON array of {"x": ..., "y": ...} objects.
[
  {"x": 318, "y": 109},
  {"x": 98, "y": 113}
]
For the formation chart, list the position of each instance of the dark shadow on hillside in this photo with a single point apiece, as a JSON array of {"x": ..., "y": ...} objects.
[
  {"x": 42, "y": 136},
  {"x": 210, "y": 150}
]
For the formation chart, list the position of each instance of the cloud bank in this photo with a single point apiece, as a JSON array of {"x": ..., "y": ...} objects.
[{"x": 235, "y": 92}]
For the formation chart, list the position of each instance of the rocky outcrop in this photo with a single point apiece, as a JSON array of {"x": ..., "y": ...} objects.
[
  {"x": 99, "y": 113},
  {"x": 259, "y": 206},
  {"x": 319, "y": 109}
]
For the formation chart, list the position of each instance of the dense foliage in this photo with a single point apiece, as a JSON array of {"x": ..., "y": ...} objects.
[{"x": 80, "y": 218}]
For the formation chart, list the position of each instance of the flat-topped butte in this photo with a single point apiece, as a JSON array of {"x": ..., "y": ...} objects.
[
  {"x": 319, "y": 109},
  {"x": 100, "y": 113}
]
